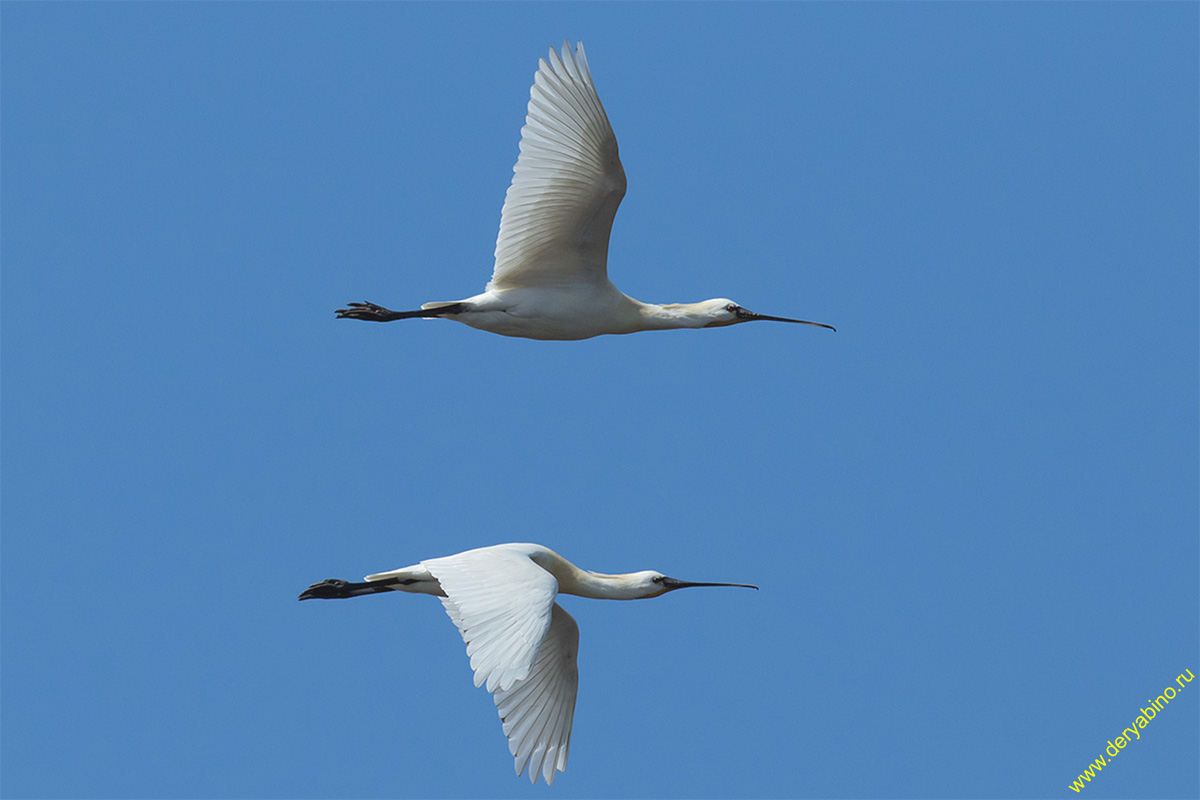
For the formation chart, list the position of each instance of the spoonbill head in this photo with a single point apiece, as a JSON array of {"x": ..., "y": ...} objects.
[
  {"x": 648, "y": 583},
  {"x": 521, "y": 643},
  {"x": 550, "y": 277},
  {"x": 722, "y": 311}
]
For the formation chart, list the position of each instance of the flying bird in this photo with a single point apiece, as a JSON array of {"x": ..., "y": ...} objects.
[
  {"x": 550, "y": 279},
  {"x": 521, "y": 643}
]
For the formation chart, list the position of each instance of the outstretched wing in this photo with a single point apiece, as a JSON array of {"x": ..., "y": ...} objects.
[
  {"x": 501, "y": 602},
  {"x": 567, "y": 183},
  {"x": 537, "y": 712},
  {"x": 521, "y": 644}
]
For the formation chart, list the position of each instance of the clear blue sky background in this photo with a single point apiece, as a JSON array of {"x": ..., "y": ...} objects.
[{"x": 972, "y": 510}]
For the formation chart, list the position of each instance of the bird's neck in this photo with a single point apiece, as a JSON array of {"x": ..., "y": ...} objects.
[
  {"x": 581, "y": 583},
  {"x": 666, "y": 316},
  {"x": 597, "y": 585},
  {"x": 603, "y": 587}
]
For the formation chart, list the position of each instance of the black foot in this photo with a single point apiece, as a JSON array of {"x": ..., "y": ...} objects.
[
  {"x": 332, "y": 589},
  {"x": 368, "y": 312}
]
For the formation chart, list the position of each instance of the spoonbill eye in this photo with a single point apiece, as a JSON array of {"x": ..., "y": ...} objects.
[{"x": 731, "y": 308}]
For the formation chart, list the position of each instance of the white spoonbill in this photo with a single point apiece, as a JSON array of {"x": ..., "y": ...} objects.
[
  {"x": 550, "y": 279},
  {"x": 521, "y": 643}
]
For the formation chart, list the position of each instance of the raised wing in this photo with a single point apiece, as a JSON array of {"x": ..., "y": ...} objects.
[
  {"x": 537, "y": 712},
  {"x": 501, "y": 602},
  {"x": 567, "y": 183}
]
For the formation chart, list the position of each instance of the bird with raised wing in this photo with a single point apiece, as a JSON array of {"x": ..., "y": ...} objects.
[
  {"x": 522, "y": 644},
  {"x": 550, "y": 279}
]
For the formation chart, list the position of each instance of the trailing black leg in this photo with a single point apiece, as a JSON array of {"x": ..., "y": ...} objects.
[
  {"x": 369, "y": 312},
  {"x": 336, "y": 589}
]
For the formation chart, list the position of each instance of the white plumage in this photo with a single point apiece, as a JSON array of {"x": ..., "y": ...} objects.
[
  {"x": 567, "y": 184},
  {"x": 522, "y": 644},
  {"x": 550, "y": 279},
  {"x": 500, "y": 600}
]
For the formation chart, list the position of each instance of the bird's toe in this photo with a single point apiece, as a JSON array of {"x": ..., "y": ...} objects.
[
  {"x": 363, "y": 310},
  {"x": 326, "y": 589}
]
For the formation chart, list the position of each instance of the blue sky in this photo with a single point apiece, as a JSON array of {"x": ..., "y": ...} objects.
[{"x": 972, "y": 510}]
